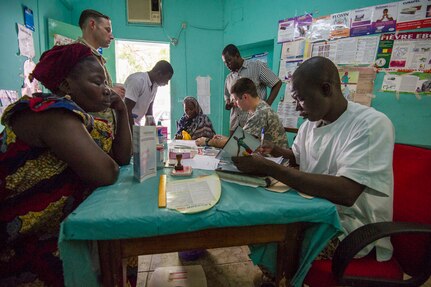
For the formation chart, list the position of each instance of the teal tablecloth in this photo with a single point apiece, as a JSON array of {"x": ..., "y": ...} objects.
[{"x": 129, "y": 209}]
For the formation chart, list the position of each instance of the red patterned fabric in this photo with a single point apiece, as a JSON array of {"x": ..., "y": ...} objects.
[
  {"x": 55, "y": 64},
  {"x": 37, "y": 192}
]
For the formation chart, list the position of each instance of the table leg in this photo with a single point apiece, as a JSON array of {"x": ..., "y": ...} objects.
[
  {"x": 288, "y": 253},
  {"x": 112, "y": 264}
]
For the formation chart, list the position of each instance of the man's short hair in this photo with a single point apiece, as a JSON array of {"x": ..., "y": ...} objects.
[
  {"x": 244, "y": 86},
  {"x": 231, "y": 49},
  {"x": 317, "y": 70},
  {"x": 164, "y": 67},
  {"x": 89, "y": 13}
]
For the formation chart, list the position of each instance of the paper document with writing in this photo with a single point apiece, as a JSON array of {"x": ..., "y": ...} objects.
[
  {"x": 193, "y": 195},
  {"x": 204, "y": 162},
  {"x": 241, "y": 143},
  {"x": 227, "y": 171}
]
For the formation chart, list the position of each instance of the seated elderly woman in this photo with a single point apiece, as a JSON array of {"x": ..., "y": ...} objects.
[
  {"x": 53, "y": 154},
  {"x": 194, "y": 121}
]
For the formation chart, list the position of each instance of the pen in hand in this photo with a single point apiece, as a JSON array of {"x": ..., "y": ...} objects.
[{"x": 262, "y": 136}]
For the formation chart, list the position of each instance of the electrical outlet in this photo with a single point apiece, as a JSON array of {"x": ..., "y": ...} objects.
[{"x": 184, "y": 25}]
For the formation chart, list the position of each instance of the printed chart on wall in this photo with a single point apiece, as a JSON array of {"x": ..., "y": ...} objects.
[
  {"x": 413, "y": 82},
  {"x": 348, "y": 51},
  {"x": 361, "y": 42},
  {"x": 406, "y": 51},
  {"x": 414, "y": 14},
  {"x": 295, "y": 28},
  {"x": 292, "y": 55},
  {"x": 361, "y": 21},
  {"x": 340, "y": 25},
  {"x": 357, "y": 83},
  {"x": 385, "y": 18}
]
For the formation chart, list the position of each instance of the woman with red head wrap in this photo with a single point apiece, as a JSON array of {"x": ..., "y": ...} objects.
[{"x": 52, "y": 155}]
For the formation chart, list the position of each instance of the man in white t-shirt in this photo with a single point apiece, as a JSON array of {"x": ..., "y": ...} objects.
[
  {"x": 344, "y": 152},
  {"x": 141, "y": 90}
]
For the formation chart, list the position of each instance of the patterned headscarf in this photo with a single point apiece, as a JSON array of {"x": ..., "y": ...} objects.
[
  {"x": 195, "y": 103},
  {"x": 55, "y": 64},
  {"x": 199, "y": 126}
]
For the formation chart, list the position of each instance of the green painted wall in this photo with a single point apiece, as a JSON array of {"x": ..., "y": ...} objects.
[
  {"x": 254, "y": 21},
  {"x": 198, "y": 52},
  {"x": 211, "y": 24},
  {"x": 11, "y": 12}
]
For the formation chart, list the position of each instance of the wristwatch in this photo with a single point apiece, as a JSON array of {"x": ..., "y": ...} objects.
[{"x": 207, "y": 140}]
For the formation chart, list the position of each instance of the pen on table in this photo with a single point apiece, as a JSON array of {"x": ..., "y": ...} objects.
[{"x": 262, "y": 136}]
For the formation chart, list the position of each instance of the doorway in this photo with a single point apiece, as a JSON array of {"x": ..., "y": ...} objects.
[{"x": 139, "y": 56}]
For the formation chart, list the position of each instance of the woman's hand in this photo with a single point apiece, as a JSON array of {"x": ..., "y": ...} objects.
[
  {"x": 119, "y": 90},
  {"x": 178, "y": 137},
  {"x": 200, "y": 141},
  {"x": 117, "y": 103}
]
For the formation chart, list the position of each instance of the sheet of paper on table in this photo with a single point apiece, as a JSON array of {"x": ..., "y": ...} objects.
[
  {"x": 202, "y": 162},
  {"x": 193, "y": 195},
  {"x": 184, "y": 143}
]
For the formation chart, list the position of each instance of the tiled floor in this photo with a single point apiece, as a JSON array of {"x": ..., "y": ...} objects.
[{"x": 223, "y": 267}]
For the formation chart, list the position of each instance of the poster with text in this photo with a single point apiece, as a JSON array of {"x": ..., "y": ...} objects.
[
  {"x": 414, "y": 14},
  {"x": 325, "y": 49},
  {"x": 357, "y": 83},
  {"x": 410, "y": 51},
  {"x": 357, "y": 51},
  {"x": 286, "y": 30},
  {"x": 385, "y": 18},
  {"x": 320, "y": 29},
  {"x": 360, "y": 21},
  {"x": 287, "y": 68},
  {"x": 293, "y": 50},
  {"x": 302, "y": 26},
  {"x": 25, "y": 41},
  {"x": 340, "y": 25},
  {"x": 384, "y": 51},
  {"x": 416, "y": 82},
  {"x": 262, "y": 57},
  {"x": 60, "y": 40}
]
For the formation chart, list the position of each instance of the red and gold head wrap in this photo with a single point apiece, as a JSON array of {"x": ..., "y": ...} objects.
[{"x": 55, "y": 64}]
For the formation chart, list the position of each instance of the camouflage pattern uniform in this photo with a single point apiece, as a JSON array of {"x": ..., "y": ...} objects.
[{"x": 265, "y": 117}]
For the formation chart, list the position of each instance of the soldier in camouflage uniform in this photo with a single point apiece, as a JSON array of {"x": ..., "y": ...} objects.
[
  {"x": 260, "y": 115},
  {"x": 97, "y": 33}
]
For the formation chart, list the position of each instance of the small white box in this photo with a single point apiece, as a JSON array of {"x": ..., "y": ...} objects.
[{"x": 144, "y": 152}]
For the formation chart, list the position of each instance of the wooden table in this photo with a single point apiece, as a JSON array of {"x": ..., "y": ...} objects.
[
  {"x": 124, "y": 220},
  {"x": 112, "y": 253}
]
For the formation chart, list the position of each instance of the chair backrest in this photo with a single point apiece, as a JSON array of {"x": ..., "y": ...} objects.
[{"x": 412, "y": 202}]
